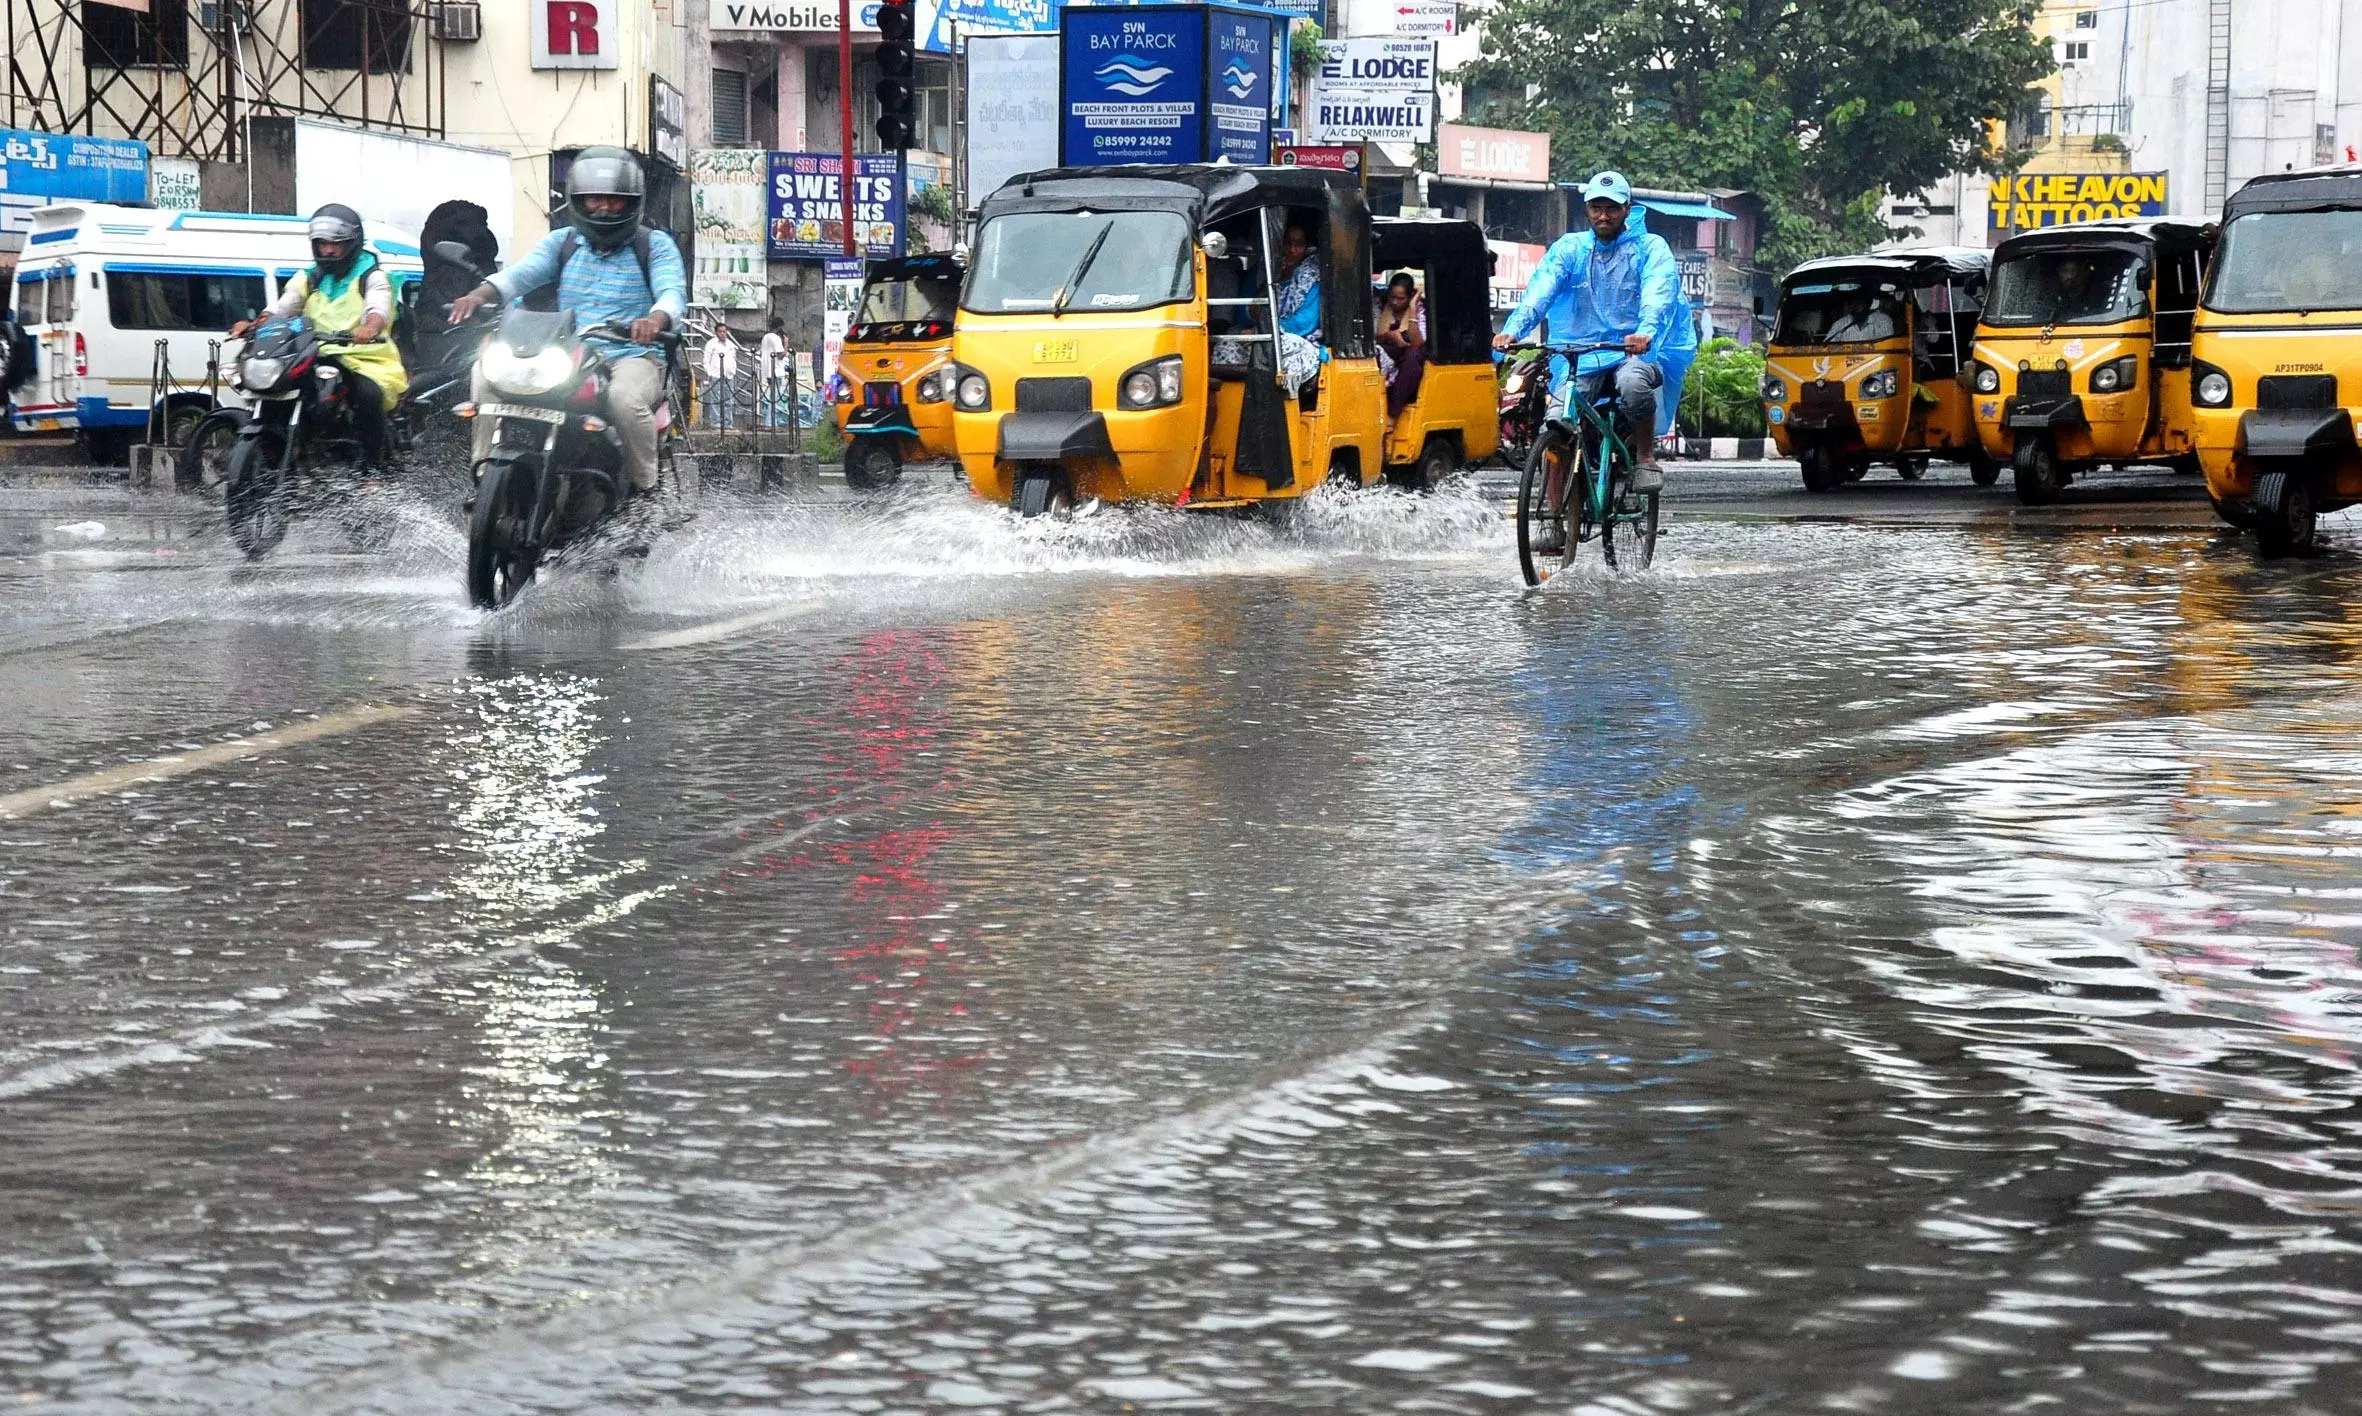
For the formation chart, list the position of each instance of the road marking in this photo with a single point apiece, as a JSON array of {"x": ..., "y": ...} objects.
[
  {"x": 720, "y": 629},
  {"x": 76, "y": 790}
]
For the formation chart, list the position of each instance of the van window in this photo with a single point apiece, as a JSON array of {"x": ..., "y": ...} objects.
[
  {"x": 32, "y": 300},
  {"x": 155, "y": 300}
]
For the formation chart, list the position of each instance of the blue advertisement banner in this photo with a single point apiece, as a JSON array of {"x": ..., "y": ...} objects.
[
  {"x": 807, "y": 205},
  {"x": 938, "y": 19},
  {"x": 1133, "y": 85},
  {"x": 64, "y": 166},
  {"x": 1241, "y": 85}
]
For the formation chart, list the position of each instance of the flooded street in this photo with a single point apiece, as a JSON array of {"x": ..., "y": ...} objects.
[{"x": 891, "y": 958}]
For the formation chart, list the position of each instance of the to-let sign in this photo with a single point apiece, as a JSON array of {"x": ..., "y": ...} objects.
[{"x": 1503, "y": 153}]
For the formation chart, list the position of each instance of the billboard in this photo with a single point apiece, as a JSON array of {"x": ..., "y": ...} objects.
[
  {"x": 726, "y": 193},
  {"x": 575, "y": 34},
  {"x": 1012, "y": 98},
  {"x": 2035, "y": 199},
  {"x": 1240, "y": 80},
  {"x": 64, "y": 166},
  {"x": 939, "y": 20},
  {"x": 1462, "y": 151},
  {"x": 789, "y": 16},
  {"x": 1166, "y": 83},
  {"x": 397, "y": 180},
  {"x": 1378, "y": 90},
  {"x": 807, "y": 205}
]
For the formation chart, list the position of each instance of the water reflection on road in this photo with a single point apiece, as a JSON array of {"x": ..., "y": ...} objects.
[{"x": 1191, "y": 963}]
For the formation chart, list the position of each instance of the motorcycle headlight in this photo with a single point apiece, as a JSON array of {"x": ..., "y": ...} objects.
[
  {"x": 261, "y": 375},
  {"x": 2115, "y": 375},
  {"x": 526, "y": 375},
  {"x": 1155, "y": 384},
  {"x": 2213, "y": 389},
  {"x": 1773, "y": 390},
  {"x": 1988, "y": 379}
]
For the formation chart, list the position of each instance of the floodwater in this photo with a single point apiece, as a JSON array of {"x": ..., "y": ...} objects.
[{"x": 890, "y": 958}]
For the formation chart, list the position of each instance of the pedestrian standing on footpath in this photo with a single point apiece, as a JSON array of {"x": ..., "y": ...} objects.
[
  {"x": 721, "y": 376},
  {"x": 771, "y": 374}
]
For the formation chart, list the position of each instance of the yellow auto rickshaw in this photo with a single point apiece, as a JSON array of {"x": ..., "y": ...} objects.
[
  {"x": 1123, "y": 335},
  {"x": 1867, "y": 364},
  {"x": 2083, "y": 352},
  {"x": 1454, "y": 420},
  {"x": 892, "y": 393},
  {"x": 2276, "y": 363}
]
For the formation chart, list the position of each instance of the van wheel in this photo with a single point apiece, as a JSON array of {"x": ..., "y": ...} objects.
[
  {"x": 2036, "y": 467},
  {"x": 202, "y": 464},
  {"x": 872, "y": 463},
  {"x": 1820, "y": 468},
  {"x": 2285, "y": 521},
  {"x": 1042, "y": 494},
  {"x": 1984, "y": 469}
]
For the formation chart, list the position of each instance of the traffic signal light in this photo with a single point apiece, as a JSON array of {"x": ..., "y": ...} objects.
[{"x": 897, "y": 66}]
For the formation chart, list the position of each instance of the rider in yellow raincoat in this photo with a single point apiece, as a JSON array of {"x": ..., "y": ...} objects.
[{"x": 347, "y": 289}]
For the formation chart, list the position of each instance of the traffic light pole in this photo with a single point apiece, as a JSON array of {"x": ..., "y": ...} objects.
[{"x": 845, "y": 105}]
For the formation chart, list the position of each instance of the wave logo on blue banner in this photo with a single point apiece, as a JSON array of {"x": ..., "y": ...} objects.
[
  {"x": 1131, "y": 76},
  {"x": 1239, "y": 79}
]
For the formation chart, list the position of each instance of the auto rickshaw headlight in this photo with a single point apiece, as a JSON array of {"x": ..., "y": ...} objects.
[
  {"x": 934, "y": 386},
  {"x": 2116, "y": 375},
  {"x": 1155, "y": 384},
  {"x": 1773, "y": 390},
  {"x": 1988, "y": 379},
  {"x": 1881, "y": 384},
  {"x": 2212, "y": 387},
  {"x": 972, "y": 391}
]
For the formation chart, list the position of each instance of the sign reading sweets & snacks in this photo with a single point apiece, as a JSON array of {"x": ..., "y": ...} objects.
[{"x": 807, "y": 205}]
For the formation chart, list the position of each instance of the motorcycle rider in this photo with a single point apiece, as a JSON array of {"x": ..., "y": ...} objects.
[
  {"x": 608, "y": 269},
  {"x": 1611, "y": 285},
  {"x": 346, "y": 289}
]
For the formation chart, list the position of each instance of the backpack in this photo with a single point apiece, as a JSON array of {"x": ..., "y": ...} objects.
[{"x": 546, "y": 298}]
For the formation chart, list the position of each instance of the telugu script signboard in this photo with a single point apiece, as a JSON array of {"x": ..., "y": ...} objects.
[
  {"x": 1375, "y": 90},
  {"x": 2036, "y": 199}
]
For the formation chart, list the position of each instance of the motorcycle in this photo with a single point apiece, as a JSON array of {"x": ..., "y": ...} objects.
[
  {"x": 1524, "y": 406},
  {"x": 299, "y": 431},
  {"x": 556, "y": 471}
]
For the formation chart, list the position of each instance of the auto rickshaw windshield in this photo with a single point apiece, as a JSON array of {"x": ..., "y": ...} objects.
[
  {"x": 2273, "y": 261},
  {"x": 1080, "y": 260},
  {"x": 912, "y": 299},
  {"x": 2088, "y": 286},
  {"x": 1840, "y": 312}
]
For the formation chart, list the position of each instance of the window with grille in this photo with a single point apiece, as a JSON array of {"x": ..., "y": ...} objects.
[
  {"x": 729, "y": 108},
  {"x": 357, "y": 34},
  {"x": 116, "y": 38}
]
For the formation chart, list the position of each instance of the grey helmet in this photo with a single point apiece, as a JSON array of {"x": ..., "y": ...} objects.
[
  {"x": 336, "y": 224},
  {"x": 606, "y": 172}
]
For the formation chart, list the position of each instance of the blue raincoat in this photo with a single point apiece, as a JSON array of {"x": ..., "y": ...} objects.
[{"x": 1594, "y": 294}]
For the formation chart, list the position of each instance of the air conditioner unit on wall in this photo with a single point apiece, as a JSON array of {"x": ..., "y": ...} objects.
[{"x": 459, "y": 20}]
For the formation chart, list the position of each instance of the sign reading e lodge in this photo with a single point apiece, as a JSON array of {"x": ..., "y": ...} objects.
[{"x": 1164, "y": 83}]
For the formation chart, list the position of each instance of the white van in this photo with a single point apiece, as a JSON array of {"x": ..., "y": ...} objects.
[{"x": 98, "y": 287}]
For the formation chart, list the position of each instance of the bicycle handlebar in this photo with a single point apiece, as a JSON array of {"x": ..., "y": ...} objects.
[{"x": 1573, "y": 350}]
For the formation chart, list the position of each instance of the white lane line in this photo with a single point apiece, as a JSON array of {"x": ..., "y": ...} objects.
[
  {"x": 76, "y": 790},
  {"x": 720, "y": 629}
]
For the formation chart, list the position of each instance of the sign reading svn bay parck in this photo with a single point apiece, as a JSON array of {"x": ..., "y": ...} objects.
[{"x": 2036, "y": 199}]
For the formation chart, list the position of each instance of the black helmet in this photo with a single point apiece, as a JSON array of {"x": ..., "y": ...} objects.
[
  {"x": 606, "y": 172},
  {"x": 336, "y": 224}
]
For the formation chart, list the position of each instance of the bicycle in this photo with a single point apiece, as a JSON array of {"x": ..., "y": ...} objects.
[{"x": 1606, "y": 508}]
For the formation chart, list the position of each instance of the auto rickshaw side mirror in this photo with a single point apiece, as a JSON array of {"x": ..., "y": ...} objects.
[{"x": 1217, "y": 245}]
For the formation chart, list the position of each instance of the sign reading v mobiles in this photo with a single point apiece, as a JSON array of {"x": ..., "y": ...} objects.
[{"x": 1381, "y": 90}]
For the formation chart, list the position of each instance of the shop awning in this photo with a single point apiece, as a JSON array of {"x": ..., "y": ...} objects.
[{"x": 1694, "y": 211}]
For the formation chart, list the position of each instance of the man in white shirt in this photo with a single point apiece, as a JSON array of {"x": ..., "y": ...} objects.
[
  {"x": 721, "y": 375},
  {"x": 771, "y": 373}
]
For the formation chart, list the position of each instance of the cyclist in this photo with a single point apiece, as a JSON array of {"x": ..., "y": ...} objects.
[
  {"x": 608, "y": 269},
  {"x": 347, "y": 289},
  {"x": 1611, "y": 285}
]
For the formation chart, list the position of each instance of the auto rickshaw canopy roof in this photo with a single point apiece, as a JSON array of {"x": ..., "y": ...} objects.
[
  {"x": 1922, "y": 266},
  {"x": 938, "y": 264},
  {"x": 2322, "y": 189},
  {"x": 1206, "y": 192},
  {"x": 2170, "y": 235}
]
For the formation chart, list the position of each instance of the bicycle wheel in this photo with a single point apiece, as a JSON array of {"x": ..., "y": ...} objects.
[
  {"x": 1630, "y": 539},
  {"x": 1543, "y": 545}
]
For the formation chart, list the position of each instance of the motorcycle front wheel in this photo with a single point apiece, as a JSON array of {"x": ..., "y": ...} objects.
[
  {"x": 500, "y": 558},
  {"x": 254, "y": 489}
]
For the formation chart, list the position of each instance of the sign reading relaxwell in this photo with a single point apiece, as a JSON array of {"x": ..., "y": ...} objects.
[
  {"x": 2037, "y": 199},
  {"x": 1379, "y": 90},
  {"x": 1164, "y": 83}
]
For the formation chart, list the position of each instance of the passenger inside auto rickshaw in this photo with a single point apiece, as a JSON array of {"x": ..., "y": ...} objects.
[
  {"x": 1296, "y": 298},
  {"x": 1402, "y": 342}
]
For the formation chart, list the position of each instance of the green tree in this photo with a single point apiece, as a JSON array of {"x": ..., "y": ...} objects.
[{"x": 1819, "y": 107}]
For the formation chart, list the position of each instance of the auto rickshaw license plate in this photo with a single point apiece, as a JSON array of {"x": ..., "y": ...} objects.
[{"x": 1054, "y": 351}]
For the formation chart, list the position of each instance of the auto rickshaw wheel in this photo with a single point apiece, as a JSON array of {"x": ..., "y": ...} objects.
[
  {"x": 1819, "y": 465},
  {"x": 872, "y": 463},
  {"x": 1911, "y": 468},
  {"x": 2036, "y": 467},
  {"x": 2234, "y": 513},
  {"x": 1439, "y": 462},
  {"x": 2285, "y": 520},
  {"x": 1983, "y": 468},
  {"x": 1041, "y": 491}
]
